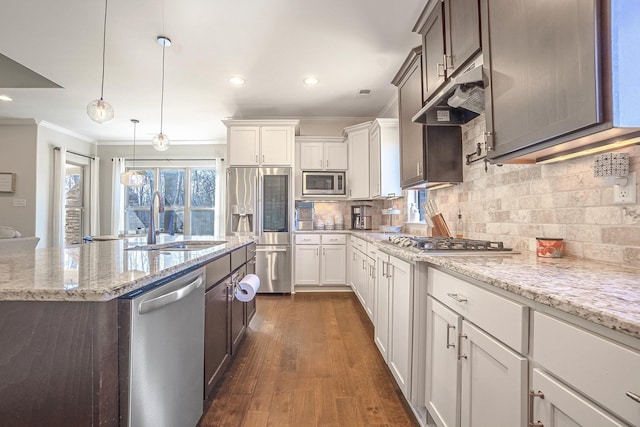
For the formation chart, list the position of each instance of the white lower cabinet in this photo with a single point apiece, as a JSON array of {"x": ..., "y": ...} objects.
[
  {"x": 400, "y": 275},
  {"x": 494, "y": 381},
  {"x": 555, "y": 404},
  {"x": 307, "y": 264},
  {"x": 442, "y": 396},
  {"x": 333, "y": 270},
  {"x": 381, "y": 306},
  {"x": 472, "y": 377},
  {"x": 320, "y": 259},
  {"x": 579, "y": 372}
]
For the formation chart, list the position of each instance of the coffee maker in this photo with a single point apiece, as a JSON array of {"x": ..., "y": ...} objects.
[{"x": 361, "y": 217}]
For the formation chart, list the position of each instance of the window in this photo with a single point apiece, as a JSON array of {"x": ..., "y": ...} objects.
[
  {"x": 417, "y": 197},
  {"x": 189, "y": 196},
  {"x": 73, "y": 204}
]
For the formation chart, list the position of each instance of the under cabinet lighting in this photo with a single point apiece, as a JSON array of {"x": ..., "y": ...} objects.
[
  {"x": 5, "y": 98},
  {"x": 311, "y": 81},
  {"x": 238, "y": 81},
  {"x": 594, "y": 150}
]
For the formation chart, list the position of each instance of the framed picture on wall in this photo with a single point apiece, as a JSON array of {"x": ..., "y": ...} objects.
[{"x": 7, "y": 182}]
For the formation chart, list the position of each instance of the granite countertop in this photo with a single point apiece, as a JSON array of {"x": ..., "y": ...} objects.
[
  {"x": 605, "y": 294},
  {"x": 99, "y": 271}
]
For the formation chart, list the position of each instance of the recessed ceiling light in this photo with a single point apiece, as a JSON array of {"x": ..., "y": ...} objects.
[
  {"x": 311, "y": 81},
  {"x": 6, "y": 98},
  {"x": 238, "y": 81}
]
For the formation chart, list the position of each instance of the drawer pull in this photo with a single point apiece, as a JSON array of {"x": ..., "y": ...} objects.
[
  {"x": 457, "y": 298},
  {"x": 532, "y": 396},
  {"x": 449, "y": 327},
  {"x": 461, "y": 356},
  {"x": 633, "y": 396}
]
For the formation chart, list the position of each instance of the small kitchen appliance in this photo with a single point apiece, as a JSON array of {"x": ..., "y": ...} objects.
[
  {"x": 326, "y": 183},
  {"x": 304, "y": 216},
  {"x": 361, "y": 217}
]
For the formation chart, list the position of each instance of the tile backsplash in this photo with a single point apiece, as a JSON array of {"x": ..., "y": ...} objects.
[{"x": 517, "y": 203}]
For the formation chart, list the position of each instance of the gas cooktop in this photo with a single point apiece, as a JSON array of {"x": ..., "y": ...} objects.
[{"x": 447, "y": 244}]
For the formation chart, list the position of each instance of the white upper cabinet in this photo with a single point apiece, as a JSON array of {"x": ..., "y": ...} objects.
[
  {"x": 260, "y": 142},
  {"x": 384, "y": 159},
  {"x": 322, "y": 153},
  {"x": 358, "y": 175}
]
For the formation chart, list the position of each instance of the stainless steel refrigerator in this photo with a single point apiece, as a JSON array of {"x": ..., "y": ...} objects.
[{"x": 259, "y": 204}]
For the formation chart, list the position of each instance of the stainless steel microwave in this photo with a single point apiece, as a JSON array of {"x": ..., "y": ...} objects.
[{"x": 318, "y": 183}]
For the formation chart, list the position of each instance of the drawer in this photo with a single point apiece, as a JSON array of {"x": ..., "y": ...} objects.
[
  {"x": 372, "y": 250},
  {"x": 503, "y": 318},
  {"x": 334, "y": 239},
  {"x": 251, "y": 251},
  {"x": 307, "y": 239},
  {"x": 596, "y": 367},
  {"x": 217, "y": 269},
  {"x": 238, "y": 257},
  {"x": 360, "y": 244}
]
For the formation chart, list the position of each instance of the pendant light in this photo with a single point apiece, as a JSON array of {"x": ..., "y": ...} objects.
[
  {"x": 161, "y": 141},
  {"x": 99, "y": 110},
  {"x": 133, "y": 178}
]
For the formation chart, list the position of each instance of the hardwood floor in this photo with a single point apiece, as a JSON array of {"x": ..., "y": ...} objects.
[{"x": 308, "y": 360}]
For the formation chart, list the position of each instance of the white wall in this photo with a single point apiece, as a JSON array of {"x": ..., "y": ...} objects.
[
  {"x": 329, "y": 127},
  {"x": 18, "y": 145},
  {"x": 175, "y": 152}
]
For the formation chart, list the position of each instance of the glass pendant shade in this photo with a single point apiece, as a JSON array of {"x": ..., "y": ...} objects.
[
  {"x": 133, "y": 178},
  {"x": 161, "y": 142},
  {"x": 100, "y": 111}
]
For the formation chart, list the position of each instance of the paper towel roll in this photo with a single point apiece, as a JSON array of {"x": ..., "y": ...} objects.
[{"x": 247, "y": 287}]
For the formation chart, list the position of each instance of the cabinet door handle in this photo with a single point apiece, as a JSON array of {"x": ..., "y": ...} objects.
[
  {"x": 448, "y": 59},
  {"x": 457, "y": 297},
  {"x": 388, "y": 273},
  {"x": 324, "y": 251},
  {"x": 256, "y": 158},
  {"x": 418, "y": 168},
  {"x": 449, "y": 328},
  {"x": 383, "y": 269},
  {"x": 317, "y": 252},
  {"x": 440, "y": 69},
  {"x": 327, "y": 163},
  {"x": 488, "y": 140},
  {"x": 263, "y": 158},
  {"x": 532, "y": 396},
  {"x": 460, "y": 355},
  {"x": 633, "y": 396}
]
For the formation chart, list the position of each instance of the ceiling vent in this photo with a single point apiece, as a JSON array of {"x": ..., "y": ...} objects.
[{"x": 364, "y": 93}]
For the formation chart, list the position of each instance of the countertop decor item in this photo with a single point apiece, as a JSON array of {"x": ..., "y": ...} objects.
[
  {"x": 161, "y": 141},
  {"x": 99, "y": 110},
  {"x": 547, "y": 247}
]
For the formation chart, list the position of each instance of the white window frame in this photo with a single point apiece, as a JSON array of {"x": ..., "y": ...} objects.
[{"x": 187, "y": 165}]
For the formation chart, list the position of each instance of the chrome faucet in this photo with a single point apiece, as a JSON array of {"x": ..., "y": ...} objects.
[{"x": 151, "y": 232}]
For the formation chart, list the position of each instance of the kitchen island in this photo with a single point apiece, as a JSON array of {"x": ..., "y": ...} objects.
[{"x": 59, "y": 324}]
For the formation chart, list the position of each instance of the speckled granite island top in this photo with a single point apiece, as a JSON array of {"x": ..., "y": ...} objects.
[
  {"x": 99, "y": 271},
  {"x": 606, "y": 294}
]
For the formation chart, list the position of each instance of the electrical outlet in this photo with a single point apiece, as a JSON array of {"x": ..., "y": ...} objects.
[{"x": 624, "y": 194}]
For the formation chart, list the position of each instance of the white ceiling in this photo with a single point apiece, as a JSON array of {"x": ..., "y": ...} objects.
[{"x": 348, "y": 45}]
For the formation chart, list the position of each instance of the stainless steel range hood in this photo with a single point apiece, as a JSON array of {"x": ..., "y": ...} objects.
[{"x": 461, "y": 99}]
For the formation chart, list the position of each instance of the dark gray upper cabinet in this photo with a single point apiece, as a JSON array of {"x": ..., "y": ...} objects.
[
  {"x": 462, "y": 32},
  {"x": 450, "y": 37},
  {"x": 429, "y": 155},
  {"x": 541, "y": 65},
  {"x": 409, "y": 83},
  {"x": 556, "y": 80}
]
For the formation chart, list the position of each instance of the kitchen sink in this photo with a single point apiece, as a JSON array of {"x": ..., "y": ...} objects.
[{"x": 186, "y": 245}]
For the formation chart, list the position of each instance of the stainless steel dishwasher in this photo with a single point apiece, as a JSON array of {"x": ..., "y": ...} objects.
[{"x": 162, "y": 353}]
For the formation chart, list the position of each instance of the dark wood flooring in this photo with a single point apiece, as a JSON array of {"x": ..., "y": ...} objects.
[{"x": 308, "y": 360}]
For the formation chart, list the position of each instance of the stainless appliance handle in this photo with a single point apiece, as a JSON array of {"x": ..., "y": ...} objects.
[
  {"x": 631, "y": 395},
  {"x": 272, "y": 250},
  {"x": 259, "y": 207},
  {"x": 169, "y": 298}
]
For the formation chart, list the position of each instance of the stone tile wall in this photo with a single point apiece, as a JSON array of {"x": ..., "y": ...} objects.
[{"x": 517, "y": 203}]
